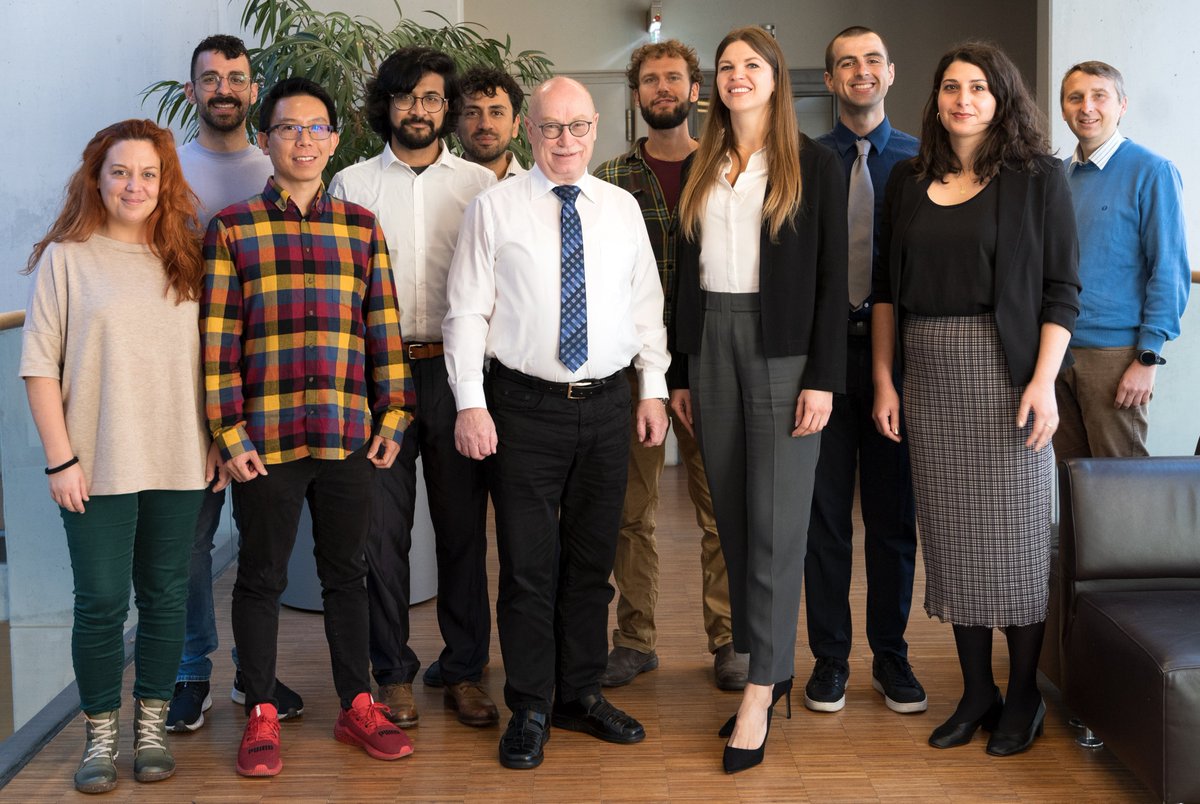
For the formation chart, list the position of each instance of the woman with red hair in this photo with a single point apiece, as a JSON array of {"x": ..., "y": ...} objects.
[{"x": 111, "y": 363}]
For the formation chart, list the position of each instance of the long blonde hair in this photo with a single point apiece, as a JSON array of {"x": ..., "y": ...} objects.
[{"x": 782, "y": 145}]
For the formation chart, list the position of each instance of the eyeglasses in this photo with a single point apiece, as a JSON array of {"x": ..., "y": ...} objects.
[
  {"x": 289, "y": 131},
  {"x": 238, "y": 82},
  {"x": 403, "y": 101},
  {"x": 578, "y": 128}
]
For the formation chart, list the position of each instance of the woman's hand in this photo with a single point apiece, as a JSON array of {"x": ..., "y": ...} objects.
[
  {"x": 69, "y": 488},
  {"x": 681, "y": 403},
  {"x": 886, "y": 411},
  {"x": 1038, "y": 398},
  {"x": 812, "y": 412},
  {"x": 215, "y": 467}
]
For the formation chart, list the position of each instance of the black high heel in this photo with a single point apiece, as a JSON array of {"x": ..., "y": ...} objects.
[
  {"x": 1005, "y": 744},
  {"x": 951, "y": 735},
  {"x": 780, "y": 690},
  {"x": 736, "y": 760}
]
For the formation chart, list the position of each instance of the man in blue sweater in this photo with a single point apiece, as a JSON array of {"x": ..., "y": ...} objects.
[{"x": 1132, "y": 264}]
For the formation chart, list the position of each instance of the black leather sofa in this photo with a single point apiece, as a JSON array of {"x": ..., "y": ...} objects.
[{"x": 1129, "y": 602}]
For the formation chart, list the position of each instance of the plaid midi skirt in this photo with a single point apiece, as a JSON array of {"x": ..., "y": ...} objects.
[{"x": 983, "y": 498}]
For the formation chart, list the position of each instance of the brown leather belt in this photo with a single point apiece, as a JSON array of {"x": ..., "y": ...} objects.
[{"x": 421, "y": 351}]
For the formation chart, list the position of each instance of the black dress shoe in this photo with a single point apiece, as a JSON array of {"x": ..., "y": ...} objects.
[
  {"x": 594, "y": 715},
  {"x": 1005, "y": 744},
  {"x": 952, "y": 735},
  {"x": 523, "y": 740}
]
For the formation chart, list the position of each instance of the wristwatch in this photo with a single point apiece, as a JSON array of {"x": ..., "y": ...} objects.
[{"x": 1151, "y": 358}]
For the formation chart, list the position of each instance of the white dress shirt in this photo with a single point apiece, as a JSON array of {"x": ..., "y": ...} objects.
[
  {"x": 420, "y": 215},
  {"x": 731, "y": 228},
  {"x": 514, "y": 167},
  {"x": 506, "y": 280},
  {"x": 1100, "y": 156}
]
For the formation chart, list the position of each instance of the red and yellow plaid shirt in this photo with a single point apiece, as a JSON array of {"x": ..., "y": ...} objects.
[{"x": 301, "y": 330}]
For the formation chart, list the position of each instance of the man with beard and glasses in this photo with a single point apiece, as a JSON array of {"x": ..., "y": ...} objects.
[
  {"x": 418, "y": 190},
  {"x": 222, "y": 167},
  {"x": 490, "y": 118},
  {"x": 665, "y": 79}
]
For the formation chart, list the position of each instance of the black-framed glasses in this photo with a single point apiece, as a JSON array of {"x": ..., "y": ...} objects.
[
  {"x": 403, "y": 101},
  {"x": 238, "y": 82},
  {"x": 292, "y": 131},
  {"x": 578, "y": 128}
]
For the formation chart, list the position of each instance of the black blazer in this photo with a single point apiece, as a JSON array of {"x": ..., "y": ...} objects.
[
  {"x": 802, "y": 281},
  {"x": 1037, "y": 255}
]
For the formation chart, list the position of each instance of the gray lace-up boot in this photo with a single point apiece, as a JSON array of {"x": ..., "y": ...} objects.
[
  {"x": 97, "y": 771},
  {"x": 152, "y": 760}
]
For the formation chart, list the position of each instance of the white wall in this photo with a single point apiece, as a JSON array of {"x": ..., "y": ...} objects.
[{"x": 1152, "y": 43}]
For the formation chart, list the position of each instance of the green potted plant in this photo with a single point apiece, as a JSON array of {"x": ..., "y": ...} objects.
[{"x": 341, "y": 53}]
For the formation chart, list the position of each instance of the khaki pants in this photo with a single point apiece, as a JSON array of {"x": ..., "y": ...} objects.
[
  {"x": 636, "y": 567},
  {"x": 1089, "y": 426}
]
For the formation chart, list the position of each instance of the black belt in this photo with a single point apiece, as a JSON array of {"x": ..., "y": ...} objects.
[{"x": 580, "y": 389}]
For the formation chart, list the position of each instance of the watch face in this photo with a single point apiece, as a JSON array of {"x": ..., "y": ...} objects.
[{"x": 1148, "y": 358}]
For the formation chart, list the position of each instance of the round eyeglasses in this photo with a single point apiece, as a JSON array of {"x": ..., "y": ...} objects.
[
  {"x": 578, "y": 128},
  {"x": 238, "y": 82},
  {"x": 403, "y": 101}
]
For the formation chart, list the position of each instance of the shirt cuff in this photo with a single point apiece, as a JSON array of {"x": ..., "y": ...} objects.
[
  {"x": 393, "y": 423},
  {"x": 470, "y": 395},
  {"x": 233, "y": 442},
  {"x": 652, "y": 385}
]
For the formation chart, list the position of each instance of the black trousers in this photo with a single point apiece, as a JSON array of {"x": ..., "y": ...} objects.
[
  {"x": 558, "y": 485},
  {"x": 269, "y": 507},
  {"x": 457, "y": 492},
  {"x": 850, "y": 442}
]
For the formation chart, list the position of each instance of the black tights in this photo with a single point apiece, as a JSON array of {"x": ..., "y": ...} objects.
[{"x": 974, "y": 644}]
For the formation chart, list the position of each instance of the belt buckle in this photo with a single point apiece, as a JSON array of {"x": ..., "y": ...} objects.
[
  {"x": 571, "y": 386},
  {"x": 410, "y": 347}
]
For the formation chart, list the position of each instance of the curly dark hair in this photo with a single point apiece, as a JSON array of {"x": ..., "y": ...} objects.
[
  {"x": 402, "y": 71},
  {"x": 228, "y": 46},
  {"x": 484, "y": 80},
  {"x": 1017, "y": 136},
  {"x": 290, "y": 88}
]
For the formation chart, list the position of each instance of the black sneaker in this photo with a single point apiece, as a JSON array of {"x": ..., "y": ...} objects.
[
  {"x": 892, "y": 675},
  {"x": 188, "y": 704},
  {"x": 826, "y": 687},
  {"x": 288, "y": 701}
]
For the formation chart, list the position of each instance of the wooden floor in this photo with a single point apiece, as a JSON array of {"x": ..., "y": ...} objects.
[{"x": 863, "y": 753}]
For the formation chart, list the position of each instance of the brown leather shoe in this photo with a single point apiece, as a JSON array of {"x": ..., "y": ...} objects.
[
  {"x": 402, "y": 709},
  {"x": 730, "y": 668},
  {"x": 472, "y": 703}
]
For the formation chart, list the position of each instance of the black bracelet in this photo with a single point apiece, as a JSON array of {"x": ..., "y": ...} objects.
[{"x": 60, "y": 467}]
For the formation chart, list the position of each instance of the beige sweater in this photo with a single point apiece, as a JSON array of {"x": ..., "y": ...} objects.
[{"x": 128, "y": 358}]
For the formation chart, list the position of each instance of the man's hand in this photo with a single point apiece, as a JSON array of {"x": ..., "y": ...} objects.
[
  {"x": 245, "y": 467},
  {"x": 812, "y": 412},
  {"x": 475, "y": 433},
  {"x": 681, "y": 403},
  {"x": 383, "y": 452},
  {"x": 1136, "y": 385},
  {"x": 651, "y": 422}
]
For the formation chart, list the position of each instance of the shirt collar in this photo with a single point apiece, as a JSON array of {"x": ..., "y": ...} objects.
[
  {"x": 878, "y": 137},
  {"x": 390, "y": 158},
  {"x": 540, "y": 184},
  {"x": 1101, "y": 155},
  {"x": 279, "y": 197}
]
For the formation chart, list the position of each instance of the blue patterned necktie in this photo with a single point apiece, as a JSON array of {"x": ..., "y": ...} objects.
[{"x": 572, "y": 332}]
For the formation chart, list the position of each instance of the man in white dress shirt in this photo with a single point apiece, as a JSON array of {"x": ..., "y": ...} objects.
[
  {"x": 554, "y": 280},
  {"x": 490, "y": 119},
  {"x": 418, "y": 190}
]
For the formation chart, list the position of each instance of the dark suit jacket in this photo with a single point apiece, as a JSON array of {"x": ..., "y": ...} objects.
[
  {"x": 802, "y": 281},
  {"x": 1037, "y": 255}
]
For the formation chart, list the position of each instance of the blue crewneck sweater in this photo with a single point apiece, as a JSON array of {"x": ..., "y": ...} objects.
[{"x": 1132, "y": 250}]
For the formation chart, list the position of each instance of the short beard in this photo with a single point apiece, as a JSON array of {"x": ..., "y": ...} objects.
[
  {"x": 415, "y": 142},
  {"x": 664, "y": 121},
  {"x": 483, "y": 155},
  {"x": 233, "y": 124}
]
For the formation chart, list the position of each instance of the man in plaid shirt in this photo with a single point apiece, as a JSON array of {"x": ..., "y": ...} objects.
[
  {"x": 665, "y": 79},
  {"x": 307, "y": 394}
]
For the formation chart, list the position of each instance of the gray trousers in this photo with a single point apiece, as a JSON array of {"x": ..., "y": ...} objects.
[{"x": 760, "y": 477}]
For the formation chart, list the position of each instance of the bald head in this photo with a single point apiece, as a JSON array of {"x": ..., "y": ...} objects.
[{"x": 562, "y": 101}]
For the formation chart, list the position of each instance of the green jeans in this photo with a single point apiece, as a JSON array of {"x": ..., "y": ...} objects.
[{"x": 143, "y": 538}]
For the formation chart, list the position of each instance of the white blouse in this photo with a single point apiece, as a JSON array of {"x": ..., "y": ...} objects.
[{"x": 732, "y": 226}]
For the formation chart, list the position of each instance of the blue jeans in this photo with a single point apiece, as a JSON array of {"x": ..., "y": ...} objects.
[{"x": 200, "y": 632}]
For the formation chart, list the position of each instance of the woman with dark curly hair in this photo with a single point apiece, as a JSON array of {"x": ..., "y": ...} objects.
[
  {"x": 111, "y": 362},
  {"x": 979, "y": 275}
]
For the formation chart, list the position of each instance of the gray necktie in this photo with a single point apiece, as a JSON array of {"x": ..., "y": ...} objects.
[{"x": 861, "y": 217}]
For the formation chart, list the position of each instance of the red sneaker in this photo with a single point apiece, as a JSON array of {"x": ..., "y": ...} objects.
[
  {"x": 364, "y": 724},
  {"x": 259, "y": 754}
]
